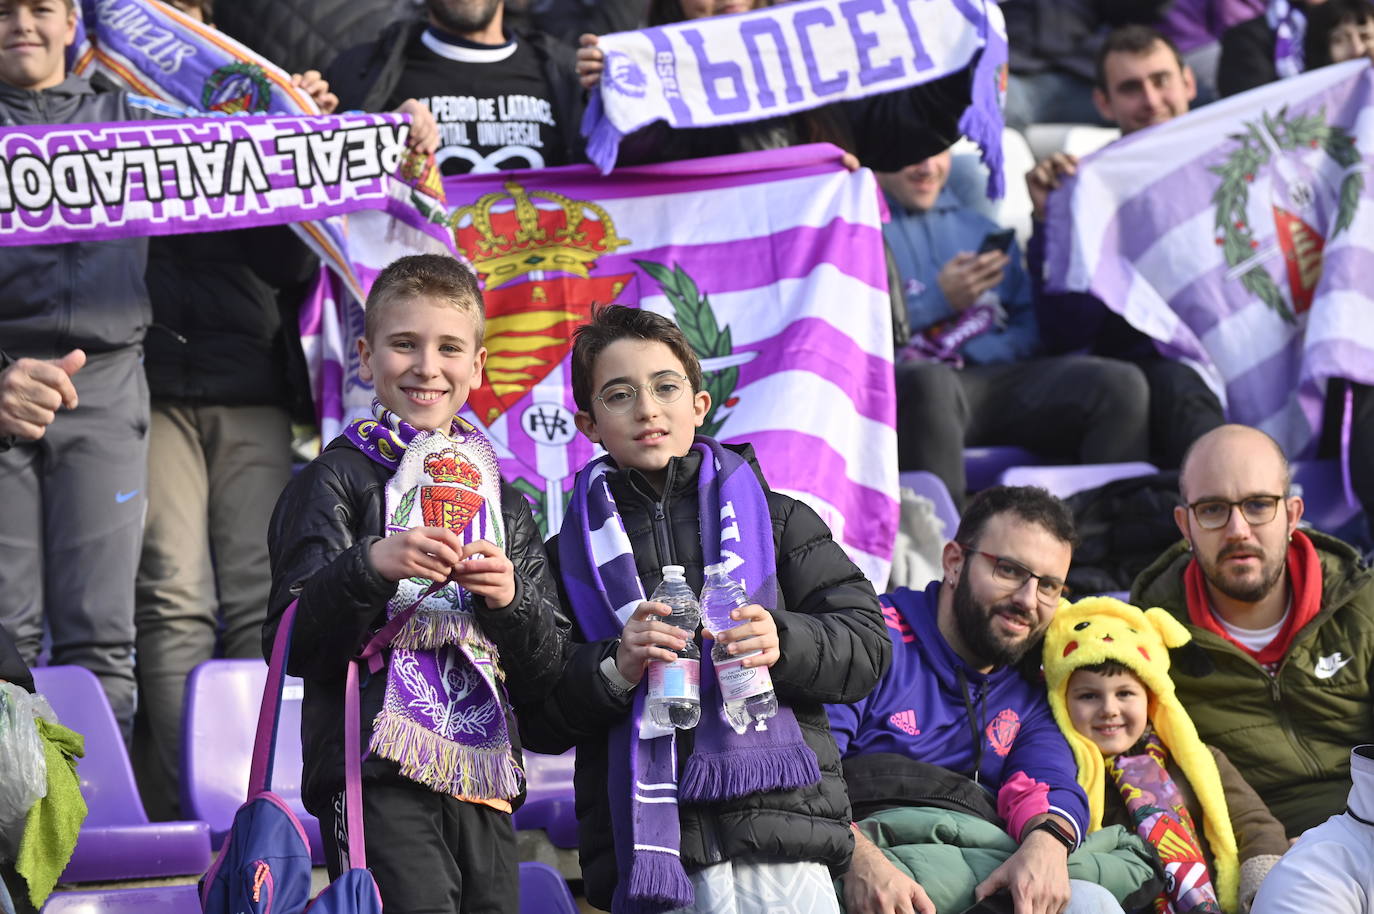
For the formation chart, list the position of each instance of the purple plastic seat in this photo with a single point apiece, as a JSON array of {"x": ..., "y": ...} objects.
[
  {"x": 543, "y": 891},
  {"x": 1066, "y": 480},
  {"x": 167, "y": 899},
  {"x": 218, "y": 723},
  {"x": 1323, "y": 494},
  {"x": 931, "y": 486},
  {"x": 117, "y": 841},
  {"x": 984, "y": 465},
  {"x": 549, "y": 800}
]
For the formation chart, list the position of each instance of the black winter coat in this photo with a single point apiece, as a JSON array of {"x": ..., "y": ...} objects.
[
  {"x": 218, "y": 337},
  {"x": 300, "y": 35},
  {"x": 834, "y": 649},
  {"x": 365, "y": 76},
  {"x": 1247, "y": 57},
  {"x": 1067, "y": 34},
  {"x": 323, "y": 526}
]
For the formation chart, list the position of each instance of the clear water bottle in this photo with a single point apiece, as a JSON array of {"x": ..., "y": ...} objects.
[
  {"x": 746, "y": 693},
  {"x": 675, "y": 687}
]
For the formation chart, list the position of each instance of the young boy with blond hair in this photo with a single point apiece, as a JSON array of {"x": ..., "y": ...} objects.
[
  {"x": 410, "y": 498},
  {"x": 1140, "y": 760}
]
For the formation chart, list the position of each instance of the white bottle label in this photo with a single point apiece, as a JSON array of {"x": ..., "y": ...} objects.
[
  {"x": 738, "y": 682},
  {"x": 679, "y": 679}
]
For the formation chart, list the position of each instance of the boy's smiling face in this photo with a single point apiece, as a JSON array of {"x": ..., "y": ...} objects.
[
  {"x": 1112, "y": 711},
  {"x": 649, "y": 433},
  {"x": 33, "y": 42},
  {"x": 423, "y": 360}
]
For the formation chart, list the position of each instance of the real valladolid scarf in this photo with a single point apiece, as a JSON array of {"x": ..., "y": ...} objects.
[
  {"x": 603, "y": 587},
  {"x": 442, "y": 719}
]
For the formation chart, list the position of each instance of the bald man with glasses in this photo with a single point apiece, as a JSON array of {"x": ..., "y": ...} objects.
[{"x": 1286, "y": 616}]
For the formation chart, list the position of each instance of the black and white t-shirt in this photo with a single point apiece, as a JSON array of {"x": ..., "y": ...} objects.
[{"x": 492, "y": 103}]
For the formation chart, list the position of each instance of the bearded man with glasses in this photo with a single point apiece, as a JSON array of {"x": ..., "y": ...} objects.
[
  {"x": 959, "y": 724},
  {"x": 1286, "y": 616}
]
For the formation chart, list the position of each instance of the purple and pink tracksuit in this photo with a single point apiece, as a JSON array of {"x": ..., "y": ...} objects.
[{"x": 930, "y": 704}]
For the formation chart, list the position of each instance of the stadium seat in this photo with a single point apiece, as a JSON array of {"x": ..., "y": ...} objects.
[
  {"x": 543, "y": 891},
  {"x": 117, "y": 841},
  {"x": 1075, "y": 139},
  {"x": 168, "y": 899},
  {"x": 549, "y": 801},
  {"x": 1323, "y": 494},
  {"x": 1066, "y": 480},
  {"x": 931, "y": 486},
  {"x": 218, "y": 724},
  {"x": 983, "y": 466}
]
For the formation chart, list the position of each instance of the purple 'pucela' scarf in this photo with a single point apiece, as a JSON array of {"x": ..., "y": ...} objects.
[
  {"x": 793, "y": 57},
  {"x": 443, "y": 719},
  {"x": 603, "y": 587}
]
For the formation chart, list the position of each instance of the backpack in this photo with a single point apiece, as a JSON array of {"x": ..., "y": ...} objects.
[
  {"x": 1123, "y": 526},
  {"x": 264, "y": 867}
]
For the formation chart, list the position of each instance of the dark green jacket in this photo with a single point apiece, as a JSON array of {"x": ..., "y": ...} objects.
[{"x": 1290, "y": 735}]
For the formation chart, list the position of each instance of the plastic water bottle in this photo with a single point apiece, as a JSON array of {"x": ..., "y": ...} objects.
[
  {"x": 746, "y": 693},
  {"x": 675, "y": 687}
]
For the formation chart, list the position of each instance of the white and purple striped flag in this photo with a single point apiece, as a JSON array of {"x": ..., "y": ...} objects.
[
  {"x": 1240, "y": 238},
  {"x": 771, "y": 262}
]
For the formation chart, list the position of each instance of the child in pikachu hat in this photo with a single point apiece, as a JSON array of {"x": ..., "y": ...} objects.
[{"x": 1140, "y": 760}]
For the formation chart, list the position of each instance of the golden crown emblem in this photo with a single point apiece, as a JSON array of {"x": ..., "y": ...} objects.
[
  {"x": 507, "y": 235},
  {"x": 447, "y": 466}
]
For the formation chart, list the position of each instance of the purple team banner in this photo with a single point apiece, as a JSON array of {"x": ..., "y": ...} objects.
[{"x": 94, "y": 181}]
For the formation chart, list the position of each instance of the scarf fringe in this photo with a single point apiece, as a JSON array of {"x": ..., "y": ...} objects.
[
  {"x": 657, "y": 883},
  {"x": 713, "y": 778},
  {"x": 603, "y": 137},
  {"x": 443, "y": 765},
  {"x": 430, "y": 630}
]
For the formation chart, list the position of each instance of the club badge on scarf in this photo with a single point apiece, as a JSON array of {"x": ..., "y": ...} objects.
[
  {"x": 599, "y": 574},
  {"x": 443, "y": 718}
]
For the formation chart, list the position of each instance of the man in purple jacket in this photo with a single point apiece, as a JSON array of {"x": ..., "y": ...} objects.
[
  {"x": 1141, "y": 81},
  {"x": 956, "y": 698}
]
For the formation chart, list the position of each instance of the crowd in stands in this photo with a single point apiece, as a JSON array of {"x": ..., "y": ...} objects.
[{"x": 152, "y": 520}]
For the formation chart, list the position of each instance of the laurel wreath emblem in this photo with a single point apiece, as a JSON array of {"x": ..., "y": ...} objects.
[
  {"x": 697, "y": 319},
  {"x": 1234, "y": 233}
]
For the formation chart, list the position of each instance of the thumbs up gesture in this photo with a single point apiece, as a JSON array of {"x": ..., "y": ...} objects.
[{"x": 33, "y": 390}]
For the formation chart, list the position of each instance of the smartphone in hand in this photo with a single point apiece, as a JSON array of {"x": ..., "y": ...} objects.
[
  {"x": 997, "y": 241},
  {"x": 996, "y": 903}
]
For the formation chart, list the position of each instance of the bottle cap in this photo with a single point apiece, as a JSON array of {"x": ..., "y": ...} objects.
[
  {"x": 674, "y": 571},
  {"x": 717, "y": 568}
]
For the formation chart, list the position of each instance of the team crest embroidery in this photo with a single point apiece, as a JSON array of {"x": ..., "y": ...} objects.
[
  {"x": 534, "y": 251},
  {"x": 1002, "y": 731},
  {"x": 1315, "y": 180},
  {"x": 236, "y": 88},
  {"x": 453, "y": 501}
]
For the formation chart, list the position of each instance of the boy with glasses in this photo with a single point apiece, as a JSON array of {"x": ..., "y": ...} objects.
[
  {"x": 956, "y": 717},
  {"x": 1287, "y": 617},
  {"x": 701, "y": 819}
]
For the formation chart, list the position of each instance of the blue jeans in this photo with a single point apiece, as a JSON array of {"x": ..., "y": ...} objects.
[{"x": 1090, "y": 898}]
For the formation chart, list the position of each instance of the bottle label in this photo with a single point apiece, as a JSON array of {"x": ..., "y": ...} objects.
[
  {"x": 739, "y": 682},
  {"x": 679, "y": 679}
]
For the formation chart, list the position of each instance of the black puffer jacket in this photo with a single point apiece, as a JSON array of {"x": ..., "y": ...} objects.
[
  {"x": 86, "y": 294},
  {"x": 834, "y": 649},
  {"x": 364, "y": 77},
  {"x": 324, "y": 524},
  {"x": 300, "y": 35},
  {"x": 217, "y": 336}
]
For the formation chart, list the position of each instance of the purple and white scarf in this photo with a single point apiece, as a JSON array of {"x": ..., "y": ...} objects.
[
  {"x": 793, "y": 57},
  {"x": 598, "y": 569},
  {"x": 443, "y": 716},
  {"x": 1289, "y": 24}
]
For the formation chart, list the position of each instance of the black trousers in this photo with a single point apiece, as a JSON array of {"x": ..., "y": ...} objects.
[
  {"x": 1182, "y": 410},
  {"x": 1077, "y": 407},
  {"x": 1361, "y": 438},
  {"x": 430, "y": 853}
]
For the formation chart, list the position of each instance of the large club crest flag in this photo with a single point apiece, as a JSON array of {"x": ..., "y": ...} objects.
[
  {"x": 771, "y": 262},
  {"x": 1239, "y": 237}
]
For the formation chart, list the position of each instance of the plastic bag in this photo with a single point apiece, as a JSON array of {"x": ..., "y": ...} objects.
[{"x": 23, "y": 766}]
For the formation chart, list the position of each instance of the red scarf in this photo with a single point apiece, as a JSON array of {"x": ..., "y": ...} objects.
[{"x": 1305, "y": 574}]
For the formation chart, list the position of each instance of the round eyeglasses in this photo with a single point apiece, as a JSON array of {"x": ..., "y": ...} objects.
[
  {"x": 666, "y": 387},
  {"x": 1215, "y": 513}
]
